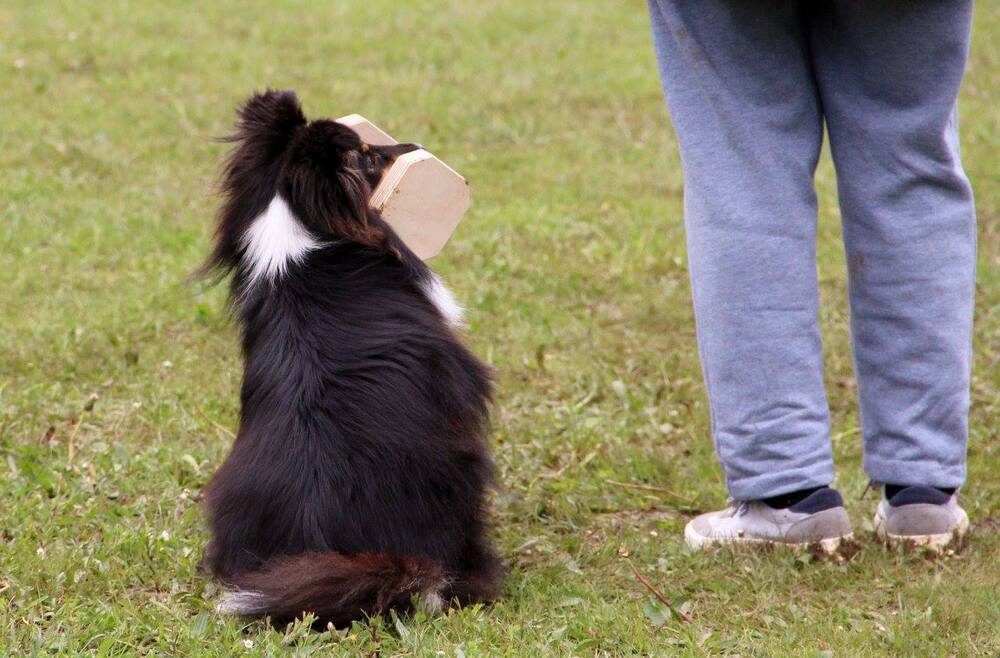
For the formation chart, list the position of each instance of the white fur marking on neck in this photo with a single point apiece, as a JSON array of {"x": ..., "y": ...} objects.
[
  {"x": 443, "y": 300},
  {"x": 275, "y": 239}
]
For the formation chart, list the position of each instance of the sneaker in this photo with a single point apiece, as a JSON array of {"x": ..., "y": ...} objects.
[
  {"x": 817, "y": 520},
  {"x": 921, "y": 516}
]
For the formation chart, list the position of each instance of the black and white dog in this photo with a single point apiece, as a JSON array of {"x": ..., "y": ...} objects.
[{"x": 358, "y": 479}]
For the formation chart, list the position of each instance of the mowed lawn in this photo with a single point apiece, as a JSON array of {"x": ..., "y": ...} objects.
[{"x": 119, "y": 376}]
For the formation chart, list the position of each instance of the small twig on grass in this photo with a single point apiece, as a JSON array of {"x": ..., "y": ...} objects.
[
  {"x": 224, "y": 430},
  {"x": 377, "y": 651},
  {"x": 650, "y": 487},
  {"x": 71, "y": 443},
  {"x": 659, "y": 597}
]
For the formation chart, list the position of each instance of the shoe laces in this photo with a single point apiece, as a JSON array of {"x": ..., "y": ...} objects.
[
  {"x": 873, "y": 485},
  {"x": 739, "y": 507}
]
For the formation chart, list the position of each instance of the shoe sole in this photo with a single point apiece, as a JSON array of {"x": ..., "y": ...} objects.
[
  {"x": 699, "y": 542},
  {"x": 935, "y": 543}
]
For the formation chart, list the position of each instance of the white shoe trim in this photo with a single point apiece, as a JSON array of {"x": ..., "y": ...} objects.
[
  {"x": 699, "y": 542},
  {"x": 935, "y": 543}
]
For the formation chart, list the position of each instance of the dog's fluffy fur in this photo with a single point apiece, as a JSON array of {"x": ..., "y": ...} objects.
[{"x": 358, "y": 479}]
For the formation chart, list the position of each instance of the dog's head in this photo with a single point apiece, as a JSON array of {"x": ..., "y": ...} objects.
[{"x": 321, "y": 169}]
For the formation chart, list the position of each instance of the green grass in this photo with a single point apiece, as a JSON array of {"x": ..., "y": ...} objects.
[{"x": 118, "y": 378}]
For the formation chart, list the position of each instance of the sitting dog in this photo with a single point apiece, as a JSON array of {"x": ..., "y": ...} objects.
[{"x": 358, "y": 479}]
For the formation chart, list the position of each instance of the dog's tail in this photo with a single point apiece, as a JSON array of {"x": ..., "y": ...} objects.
[{"x": 335, "y": 588}]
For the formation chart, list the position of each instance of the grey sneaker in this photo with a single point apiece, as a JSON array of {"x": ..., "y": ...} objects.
[
  {"x": 921, "y": 516},
  {"x": 818, "y": 520}
]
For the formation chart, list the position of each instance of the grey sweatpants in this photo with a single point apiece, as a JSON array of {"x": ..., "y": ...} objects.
[{"x": 749, "y": 84}]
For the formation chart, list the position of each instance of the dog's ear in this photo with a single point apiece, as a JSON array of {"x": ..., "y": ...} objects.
[
  {"x": 266, "y": 125},
  {"x": 269, "y": 119}
]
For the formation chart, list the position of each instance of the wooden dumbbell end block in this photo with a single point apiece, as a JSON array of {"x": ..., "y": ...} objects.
[{"x": 419, "y": 196}]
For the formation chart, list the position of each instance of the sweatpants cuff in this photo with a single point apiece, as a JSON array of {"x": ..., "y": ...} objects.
[
  {"x": 776, "y": 483},
  {"x": 929, "y": 473}
]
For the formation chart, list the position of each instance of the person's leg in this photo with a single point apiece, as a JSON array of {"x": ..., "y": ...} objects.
[
  {"x": 741, "y": 95},
  {"x": 889, "y": 73}
]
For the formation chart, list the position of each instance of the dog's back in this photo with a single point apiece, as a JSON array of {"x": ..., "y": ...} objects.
[{"x": 359, "y": 474}]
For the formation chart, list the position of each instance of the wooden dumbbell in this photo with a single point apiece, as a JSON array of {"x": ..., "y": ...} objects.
[{"x": 421, "y": 197}]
